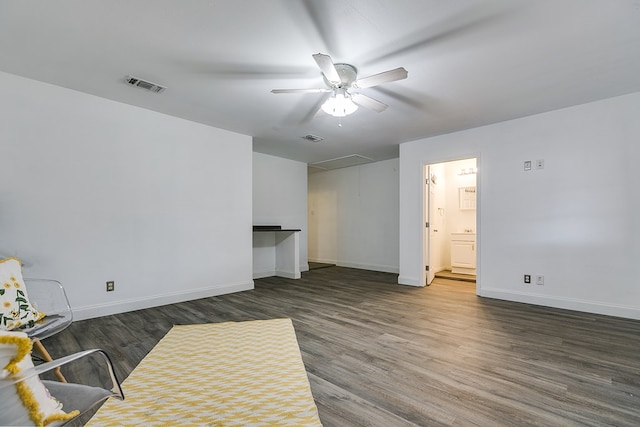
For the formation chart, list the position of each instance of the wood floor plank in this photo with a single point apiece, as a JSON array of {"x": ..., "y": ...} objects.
[{"x": 380, "y": 354}]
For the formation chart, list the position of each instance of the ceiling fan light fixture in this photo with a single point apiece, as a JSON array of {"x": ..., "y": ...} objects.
[{"x": 339, "y": 104}]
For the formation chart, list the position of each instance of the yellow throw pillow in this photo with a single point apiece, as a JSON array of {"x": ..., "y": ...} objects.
[
  {"x": 28, "y": 402},
  {"x": 15, "y": 309}
]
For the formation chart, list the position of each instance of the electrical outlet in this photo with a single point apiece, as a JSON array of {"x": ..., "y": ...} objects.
[
  {"x": 111, "y": 286},
  {"x": 539, "y": 280},
  {"x": 527, "y": 278},
  {"x": 540, "y": 164}
]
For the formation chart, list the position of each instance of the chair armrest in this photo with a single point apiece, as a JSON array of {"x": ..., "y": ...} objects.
[
  {"x": 103, "y": 358},
  {"x": 48, "y": 296}
]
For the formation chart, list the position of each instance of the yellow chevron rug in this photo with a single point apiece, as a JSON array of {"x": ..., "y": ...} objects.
[{"x": 221, "y": 374}]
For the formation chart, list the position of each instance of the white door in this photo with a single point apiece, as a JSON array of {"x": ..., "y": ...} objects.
[
  {"x": 436, "y": 224},
  {"x": 432, "y": 224}
]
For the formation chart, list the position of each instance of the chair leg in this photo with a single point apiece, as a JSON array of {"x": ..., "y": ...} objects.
[{"x": 47, "y": 357}]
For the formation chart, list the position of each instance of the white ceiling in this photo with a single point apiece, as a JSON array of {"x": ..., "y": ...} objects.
[{"x": 470, "y": 62}]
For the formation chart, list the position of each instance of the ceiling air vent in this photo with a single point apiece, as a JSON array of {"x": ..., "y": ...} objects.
[
  {"x": 312, "y": 138},
  {"x": 153, "y": 87}
]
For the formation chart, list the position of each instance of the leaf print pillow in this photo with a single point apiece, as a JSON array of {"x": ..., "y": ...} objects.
[{"x": 15, "y": 309}]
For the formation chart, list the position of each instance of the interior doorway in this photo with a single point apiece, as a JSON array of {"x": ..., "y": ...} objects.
[{"x": 450, "y": 219}]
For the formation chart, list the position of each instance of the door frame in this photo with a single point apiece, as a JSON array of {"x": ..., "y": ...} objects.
[
  {"x": 425, "y": 214},
  {"x": 428, "y": 233}
]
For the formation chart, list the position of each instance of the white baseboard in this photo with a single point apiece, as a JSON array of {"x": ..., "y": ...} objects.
[
  {"x": 99, "y": 310},
  {"x": 286, "y": 274},
  {"x": 271, "y": 273},
  {"x": 409, "y": 281},
  {"x": 323, "y": 261},
  {"x": 563, "y": 303},
  {"x": 263, "y": 274},
  {"x": 372, "y": 267},
  {"x": 361, "y": 266}
]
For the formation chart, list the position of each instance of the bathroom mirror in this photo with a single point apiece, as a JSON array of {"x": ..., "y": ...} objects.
[{"x": 467, "y": 198}]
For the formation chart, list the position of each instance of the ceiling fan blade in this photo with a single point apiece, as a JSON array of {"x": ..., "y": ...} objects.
[
  {"x": 384, "y": 77},
  {"x": 411, "y": 98},
  {"x": 299, "y": 90},
  {"x": 328, "y": 69},
  {"x": 368, "y": 102}
]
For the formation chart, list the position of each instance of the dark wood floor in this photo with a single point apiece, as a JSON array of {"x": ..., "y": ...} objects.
[
  {"x": 380, "y": 354},
  {"x": 448, "y": 274},
  {"x": 317, "y": 265}
]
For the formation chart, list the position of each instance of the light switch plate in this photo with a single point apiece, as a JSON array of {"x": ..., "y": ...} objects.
[{"x": 527, "y": 165}]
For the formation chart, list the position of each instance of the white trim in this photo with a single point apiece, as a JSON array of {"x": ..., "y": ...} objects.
[
  {"x": 324, "y": 261},
  {"x": 446, "y": 159},
  {"x": 409, "y": 281},
  {"x": 279, "y": 273},
  {"x": 563, "y": 303},
  {"x": 99, "y": 310},
  {"x": 372, "y": 267},
  {"x": 287, "y": 274},
  {"x": 263, "y": 274}
]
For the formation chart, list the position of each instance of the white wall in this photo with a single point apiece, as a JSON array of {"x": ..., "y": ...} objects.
[
  {"x": 353, "y": 216},
  {"x": 575, "y": 221},
  {"x": 279, "y": 198},
  {"x": 94, "y": 190}
]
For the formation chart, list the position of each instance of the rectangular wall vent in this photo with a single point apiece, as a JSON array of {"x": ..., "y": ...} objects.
[{"x": 144, "y": 84}]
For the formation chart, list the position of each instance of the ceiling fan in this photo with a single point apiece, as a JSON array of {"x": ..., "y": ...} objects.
[{"x": 340, "y": 80}]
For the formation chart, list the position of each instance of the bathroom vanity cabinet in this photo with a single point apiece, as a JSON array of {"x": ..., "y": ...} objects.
[{"x": 463, "y": 253}]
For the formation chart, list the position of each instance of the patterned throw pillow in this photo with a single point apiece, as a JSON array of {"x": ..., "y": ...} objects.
[
  {"x": 27, "y": 402},
  {"x": 15, "y": 308}
]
